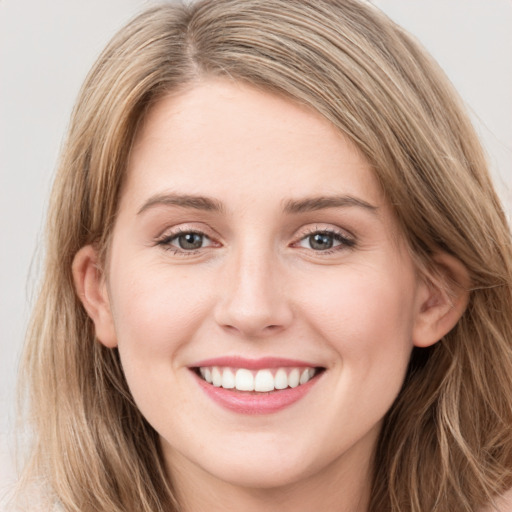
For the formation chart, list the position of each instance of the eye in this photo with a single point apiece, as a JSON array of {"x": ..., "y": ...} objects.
[
  {"x": 189, "y": 241},
  {"x": 185, "y": 241},
  {"x": 325, "y": 240}
]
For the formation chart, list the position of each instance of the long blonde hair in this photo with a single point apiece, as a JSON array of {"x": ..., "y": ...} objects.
[{"x": 446, "y": 444}]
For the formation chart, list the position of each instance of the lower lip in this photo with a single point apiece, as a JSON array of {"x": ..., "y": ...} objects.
[{"x": 256, "y": 403}]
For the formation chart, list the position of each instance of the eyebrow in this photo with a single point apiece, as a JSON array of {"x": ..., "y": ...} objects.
[
  {"x": 184, "y": 201},
  {"x": 322, "y": 202},
  {"x": 291, "y": 206}
]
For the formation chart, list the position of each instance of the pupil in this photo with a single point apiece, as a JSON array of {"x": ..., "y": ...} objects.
[
  {"x": 190, "y": 241},
  {"x": 320, "y": 241}
]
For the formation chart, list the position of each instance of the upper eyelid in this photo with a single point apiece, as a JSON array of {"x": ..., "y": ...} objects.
[
  {"x": 187, "y": 227},
  {"x": 346, "y": 241},
  {"x": 327, "y": 229},
  {"x": 211, "y": 234},
  {"x": 166, "y": 239}
]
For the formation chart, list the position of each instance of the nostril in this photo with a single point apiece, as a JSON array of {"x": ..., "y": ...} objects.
[{"x": 251, "y": 330}]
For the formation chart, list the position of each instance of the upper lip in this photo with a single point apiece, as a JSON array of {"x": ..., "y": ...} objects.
[{"x": 253, "y": 364}]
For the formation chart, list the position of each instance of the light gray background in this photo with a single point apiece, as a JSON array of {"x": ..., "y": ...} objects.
[{"x": 47, "y": 47}]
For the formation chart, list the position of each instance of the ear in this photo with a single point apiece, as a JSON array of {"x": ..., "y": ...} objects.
[
  {"x": 92, "y": 290},
  {"x": 444, "y": 298}
]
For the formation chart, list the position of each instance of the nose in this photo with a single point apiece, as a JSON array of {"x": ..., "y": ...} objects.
[{"x": 253, "y": 302}]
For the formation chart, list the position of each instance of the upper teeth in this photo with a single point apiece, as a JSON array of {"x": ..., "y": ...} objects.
[{"x": 263, "y": 380}]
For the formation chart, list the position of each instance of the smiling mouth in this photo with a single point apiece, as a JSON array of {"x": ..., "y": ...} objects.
[{"x": 265, "y": 380}]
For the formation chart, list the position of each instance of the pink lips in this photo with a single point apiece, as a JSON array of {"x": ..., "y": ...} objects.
[{"x": 254, "y": 402}]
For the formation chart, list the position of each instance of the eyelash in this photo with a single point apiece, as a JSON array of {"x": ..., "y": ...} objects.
[
  {"x": 345, "y": 242},
  {"x": 165, "y": 241}
]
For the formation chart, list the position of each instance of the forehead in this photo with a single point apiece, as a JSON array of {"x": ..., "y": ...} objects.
[{"x": 219, "y": 136}]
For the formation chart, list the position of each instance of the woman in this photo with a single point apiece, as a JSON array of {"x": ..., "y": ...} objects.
[{"x": 278, "y": 276}]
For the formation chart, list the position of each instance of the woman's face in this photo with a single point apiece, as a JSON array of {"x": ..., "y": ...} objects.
[{"x": 253, "y": 247}]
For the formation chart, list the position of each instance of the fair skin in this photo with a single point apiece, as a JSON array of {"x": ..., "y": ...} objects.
[{"x": 261, "y": 268}]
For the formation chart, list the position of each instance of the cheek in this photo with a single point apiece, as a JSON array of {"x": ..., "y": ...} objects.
[
  {"x": 366, "y": 315},
  {"x": 157, "y": 310},
  {"x": 156, "y": 313}
]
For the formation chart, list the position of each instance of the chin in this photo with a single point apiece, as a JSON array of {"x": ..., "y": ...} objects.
[
  {"x": 263, "y": 467},
  {"x": 264, "y": 475}
]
